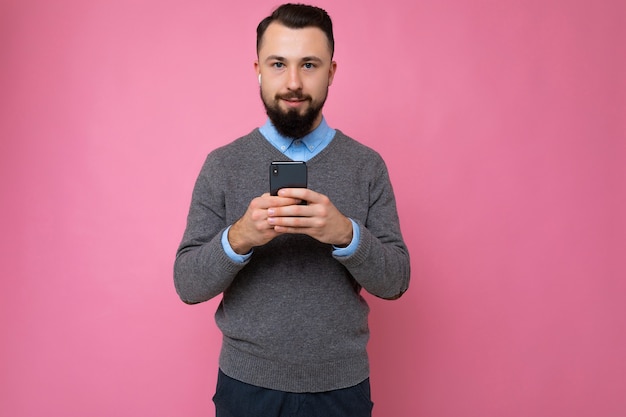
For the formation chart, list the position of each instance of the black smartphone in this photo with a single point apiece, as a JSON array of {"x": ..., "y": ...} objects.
[{"x": 292, "y": 174}]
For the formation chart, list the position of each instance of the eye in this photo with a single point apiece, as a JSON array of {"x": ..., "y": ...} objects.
[
  {"x": 278, "y": 65},
  {"x": 309, "y": 65}
]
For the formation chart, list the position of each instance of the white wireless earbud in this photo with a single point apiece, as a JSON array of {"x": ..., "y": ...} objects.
[{"x": 259, "y": 79}]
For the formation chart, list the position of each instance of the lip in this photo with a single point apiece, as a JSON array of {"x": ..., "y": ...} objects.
[{"x": 293, "y": 102}]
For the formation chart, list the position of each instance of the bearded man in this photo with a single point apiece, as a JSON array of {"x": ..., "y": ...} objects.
[{"x": 294, "y": 322}]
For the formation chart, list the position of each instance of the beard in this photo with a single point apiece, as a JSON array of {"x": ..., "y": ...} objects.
[{"x": 291, "y": 123}]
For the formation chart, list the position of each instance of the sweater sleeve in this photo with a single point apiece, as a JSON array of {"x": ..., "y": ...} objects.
[
  {"x": 381, "y": 263},
  {"x": 202, "y": 269}
]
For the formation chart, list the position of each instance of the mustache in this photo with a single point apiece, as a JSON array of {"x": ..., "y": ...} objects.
[{"x": 296, "y": 95}]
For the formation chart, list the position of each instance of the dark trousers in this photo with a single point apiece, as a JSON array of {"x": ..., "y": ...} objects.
[{"x": 238, "y": 399}]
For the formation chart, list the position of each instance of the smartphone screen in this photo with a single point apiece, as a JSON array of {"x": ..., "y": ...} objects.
[{"x": 291, "y": 174}]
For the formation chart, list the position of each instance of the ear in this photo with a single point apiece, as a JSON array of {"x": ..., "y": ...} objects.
[
  {"x": 331, "y": 72},
  {"x": 257, "y": 70}
]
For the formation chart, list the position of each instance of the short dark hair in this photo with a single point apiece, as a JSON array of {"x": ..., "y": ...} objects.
[{"x": 298, "y": 16}]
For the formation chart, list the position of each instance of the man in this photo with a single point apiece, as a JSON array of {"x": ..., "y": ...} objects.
[{"x": 293, "y": 321}]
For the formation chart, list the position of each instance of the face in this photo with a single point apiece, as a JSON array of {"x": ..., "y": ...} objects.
[{"x": 296, "y": 69}]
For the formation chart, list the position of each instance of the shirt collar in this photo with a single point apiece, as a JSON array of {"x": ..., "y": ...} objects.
[{"x": 320, "y": 135}]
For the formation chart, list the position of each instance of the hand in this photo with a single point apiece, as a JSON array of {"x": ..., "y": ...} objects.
[
  {"x": 319, "y": 219},
  {"x": 253, "y": 228}
]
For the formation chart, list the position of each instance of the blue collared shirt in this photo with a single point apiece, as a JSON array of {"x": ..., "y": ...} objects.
[{"x": 301, "y": 149}]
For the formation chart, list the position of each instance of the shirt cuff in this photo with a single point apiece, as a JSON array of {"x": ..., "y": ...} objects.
[
  {"x": 234, "y": 256},
  {"x": 351, "y": 248}
]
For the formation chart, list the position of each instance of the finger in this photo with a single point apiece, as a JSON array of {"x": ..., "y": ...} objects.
[
  {"x": 292, "y": 230},
  {"x": 283, "y": 202},
  {"x": 297, "y": 222},
  {"x": 298, "y": 193},
  {"x": 292, "y": 210},
  {"x": 266, "y": 201}
]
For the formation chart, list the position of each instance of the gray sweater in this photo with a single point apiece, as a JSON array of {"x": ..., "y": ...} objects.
[{"x": 292, "y": 316}]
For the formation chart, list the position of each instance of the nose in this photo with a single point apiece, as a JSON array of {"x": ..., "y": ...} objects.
[{"x": 294, "y": 82}]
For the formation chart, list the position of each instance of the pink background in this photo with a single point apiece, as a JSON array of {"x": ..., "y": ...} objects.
[{"x": 503, "y": 125}]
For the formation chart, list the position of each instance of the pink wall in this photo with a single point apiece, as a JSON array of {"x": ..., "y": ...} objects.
[{"x": 503, "y": 125}]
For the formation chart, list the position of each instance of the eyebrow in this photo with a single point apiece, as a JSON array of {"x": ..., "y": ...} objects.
[{"x": 303, "y": 59}]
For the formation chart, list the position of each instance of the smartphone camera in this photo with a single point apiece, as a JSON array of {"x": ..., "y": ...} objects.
[{"x": 275, "y": 170}]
